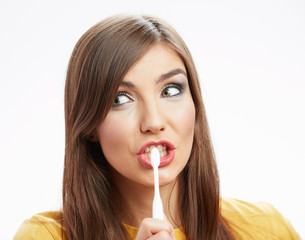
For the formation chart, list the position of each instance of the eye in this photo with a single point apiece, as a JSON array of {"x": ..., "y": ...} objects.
[
  {"x": 121, "y": 98},
  {"x": 171, "y": 90}
]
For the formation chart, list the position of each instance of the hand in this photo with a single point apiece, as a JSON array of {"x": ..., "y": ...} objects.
[{"x": 154, "y": 229}]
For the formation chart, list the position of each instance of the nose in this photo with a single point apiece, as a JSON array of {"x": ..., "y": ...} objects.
[{"x": 152, "y": 119}]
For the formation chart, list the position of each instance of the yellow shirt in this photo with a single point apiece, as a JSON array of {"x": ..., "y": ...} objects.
[{"x": 249, "y": 221}]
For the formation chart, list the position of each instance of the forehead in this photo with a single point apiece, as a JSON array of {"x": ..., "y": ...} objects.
[{"x": 156, "y": 61}]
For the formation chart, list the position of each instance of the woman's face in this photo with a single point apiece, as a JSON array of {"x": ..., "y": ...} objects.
[{"x": 153, "y": 107}]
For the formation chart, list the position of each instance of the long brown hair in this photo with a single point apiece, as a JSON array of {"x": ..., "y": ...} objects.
[{"x": 100, "y": 60}]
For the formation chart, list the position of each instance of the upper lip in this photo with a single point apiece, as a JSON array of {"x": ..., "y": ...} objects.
[{"x": 170, "y": 146}]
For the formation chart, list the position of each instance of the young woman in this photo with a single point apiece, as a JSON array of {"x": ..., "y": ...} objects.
[{"x": 131, "y": 86}]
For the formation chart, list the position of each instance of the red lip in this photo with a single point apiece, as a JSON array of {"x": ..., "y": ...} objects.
[{"x": 163, "y": 160}]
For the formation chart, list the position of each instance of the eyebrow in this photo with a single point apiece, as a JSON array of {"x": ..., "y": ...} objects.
[{"x": 162, "y": 78}]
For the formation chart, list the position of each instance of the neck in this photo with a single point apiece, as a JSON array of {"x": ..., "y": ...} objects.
[{"x": 137, "y": 201}]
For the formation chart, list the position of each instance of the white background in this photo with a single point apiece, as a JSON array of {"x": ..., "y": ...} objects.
[{"x": 250, "y": 56}]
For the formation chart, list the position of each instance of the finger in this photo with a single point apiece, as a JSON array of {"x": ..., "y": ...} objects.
[
  {"x": 163, "y": 235},
  {"x": 173, "y": 231},
  {"x": 150, "y": 227}
]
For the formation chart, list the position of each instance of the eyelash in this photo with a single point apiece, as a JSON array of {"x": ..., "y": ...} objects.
[
  {"x": 180, "y": 88},
  {"x": 173, "y": 85},
  {"x": 117, "y": 96}
]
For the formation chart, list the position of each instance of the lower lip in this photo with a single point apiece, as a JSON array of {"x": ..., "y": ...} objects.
[{"x": 163, "y": 160}]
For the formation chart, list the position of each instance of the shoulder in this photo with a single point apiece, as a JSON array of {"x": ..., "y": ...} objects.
[
  {"x": 256, "y": 220},
  {"x": 46, "y": 226}
]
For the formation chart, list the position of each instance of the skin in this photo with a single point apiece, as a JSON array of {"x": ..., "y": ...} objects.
[{"x": 151, "y": 109}]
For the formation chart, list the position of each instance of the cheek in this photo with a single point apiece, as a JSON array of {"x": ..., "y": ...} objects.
[
  {"x": 189, "y": 118},
  {"x": 189, "y": 125},
  {"x": 185, "y": 128},
  {"x": 185, "y": 119},
  {"x": 112, "y": 135}
]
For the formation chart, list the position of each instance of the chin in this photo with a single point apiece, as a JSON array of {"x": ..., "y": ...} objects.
[{"x": 167, "y": 178}]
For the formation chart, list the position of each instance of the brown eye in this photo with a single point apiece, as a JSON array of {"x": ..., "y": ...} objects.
[
  {"x": 165, "y": 93},
  {"x": 170, "y": 91},
  {"x": 116, "y": 101},
  {"x": 120, "y": 99}
]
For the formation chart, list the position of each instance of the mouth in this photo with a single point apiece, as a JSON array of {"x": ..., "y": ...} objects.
[
  {"x": 165, "y": 148},
  {"x": 161, "y": 148}
]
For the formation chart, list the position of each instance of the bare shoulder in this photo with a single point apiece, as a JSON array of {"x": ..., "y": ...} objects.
[{"x": 45, "y": 226}]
